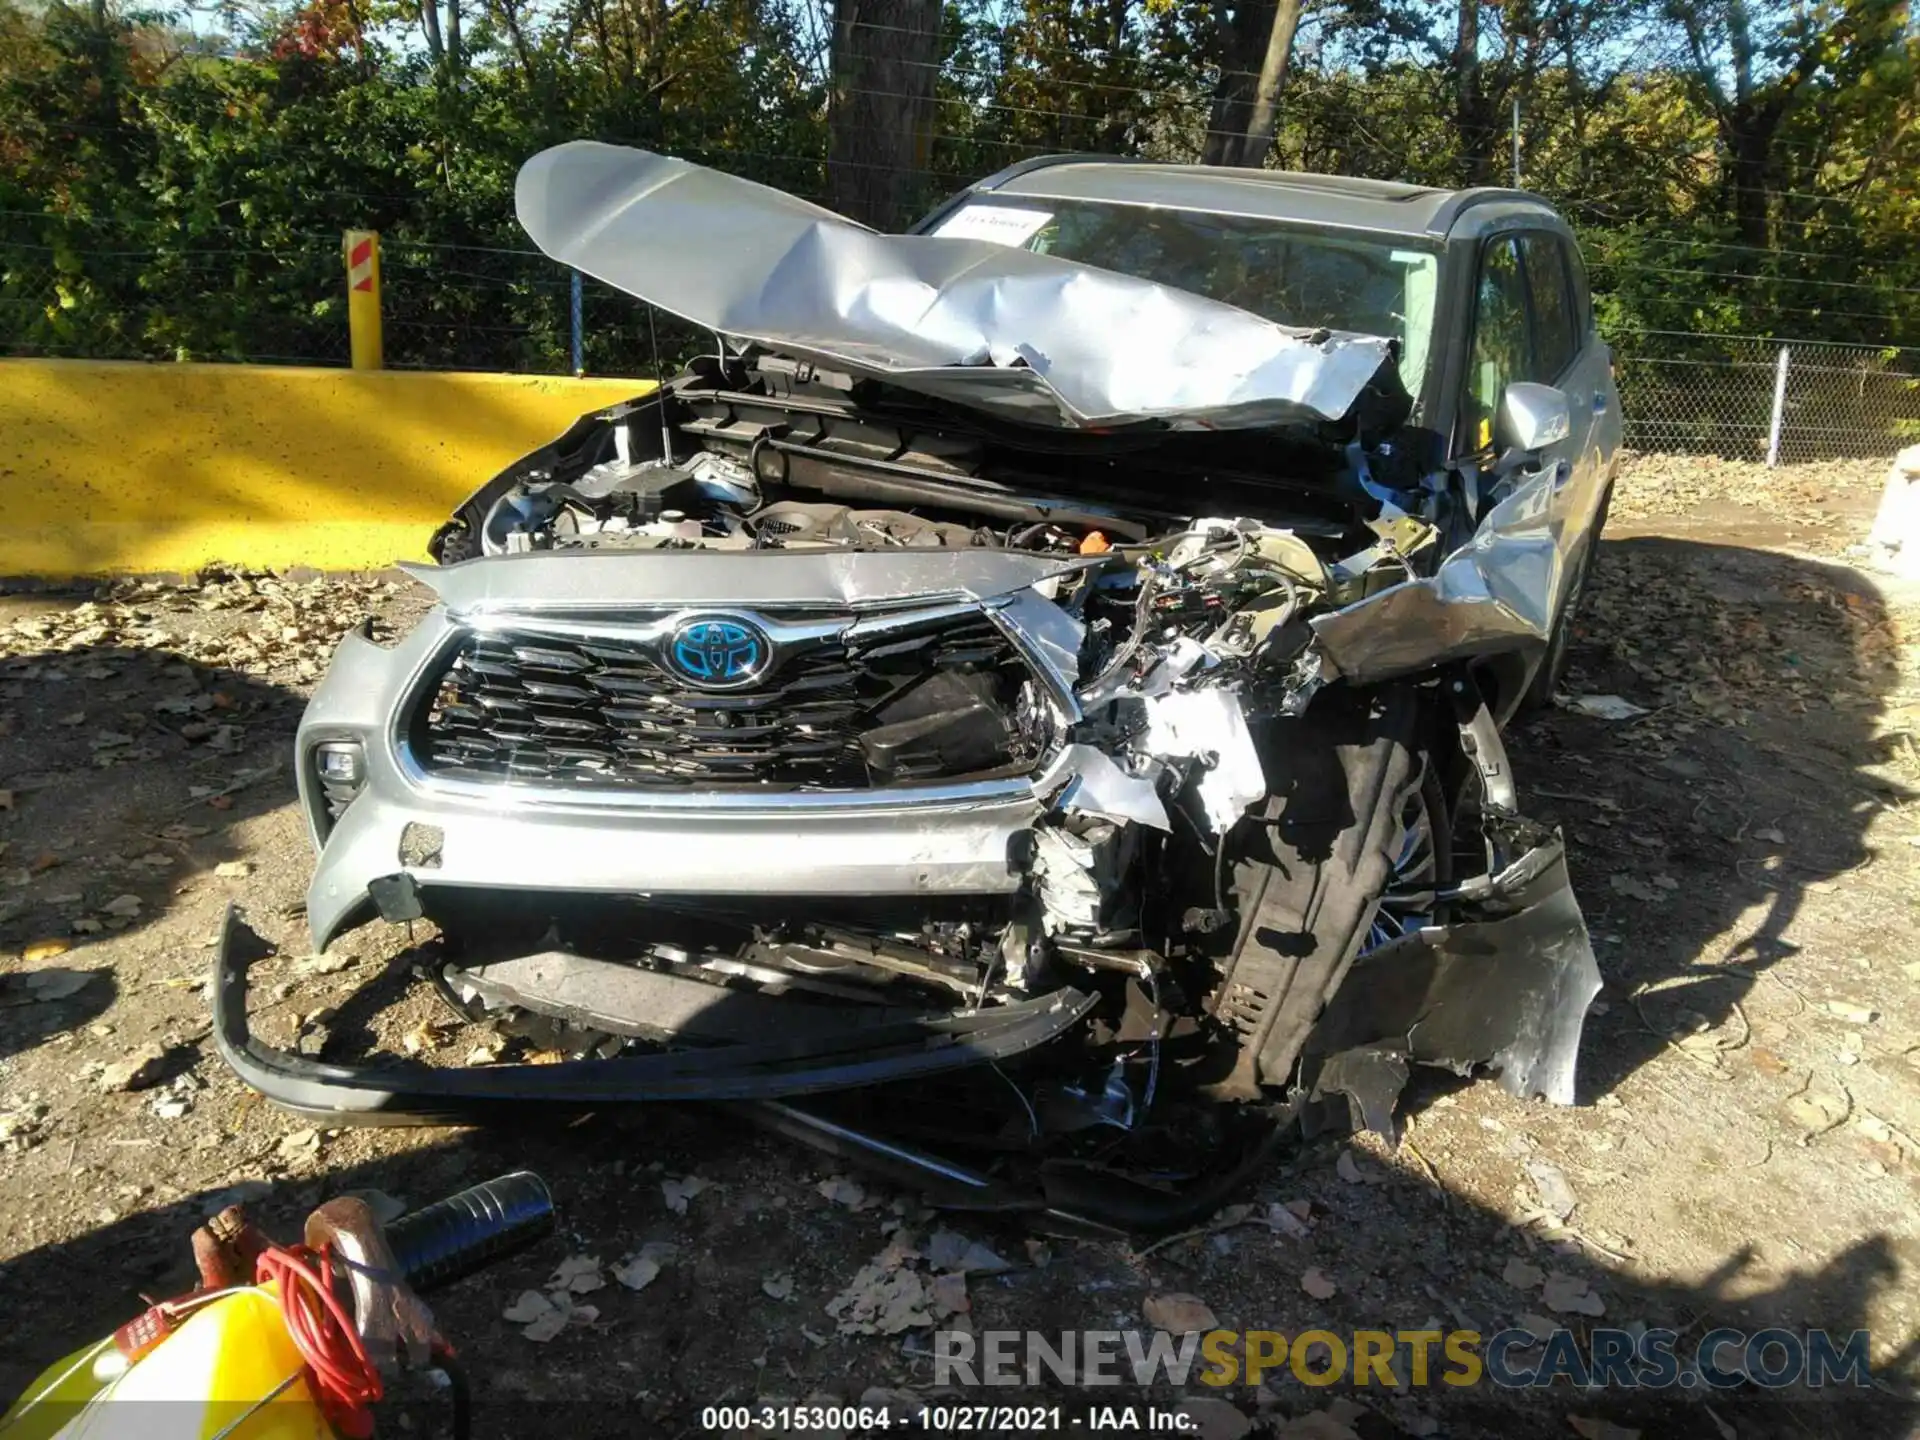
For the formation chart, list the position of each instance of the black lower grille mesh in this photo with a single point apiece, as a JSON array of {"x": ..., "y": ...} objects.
[{"x": 540, "y": 708}]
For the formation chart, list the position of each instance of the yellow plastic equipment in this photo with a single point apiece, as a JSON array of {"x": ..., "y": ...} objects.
[{"x": 230, "y": 1372}]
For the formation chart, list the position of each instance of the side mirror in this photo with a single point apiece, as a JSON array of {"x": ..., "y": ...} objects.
[{"x": 1533, "y": 417}]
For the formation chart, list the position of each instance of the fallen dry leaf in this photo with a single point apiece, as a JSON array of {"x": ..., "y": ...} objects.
[
  {"x": 950, "y": 1250},
  {"x": 638, "y": 1272},
  {"x": 1316, "y": 1284},
  {"x": 577, "y": 1275},
  {"x": 136, "y": 1072},
  {"x": 1179, "y": 1314},
  {"x": 1569, "y": 1295},
  {"x": 530, "y": 1306},
  {"x": 882, "y": 1301},
  {"x": 50, "y": 985},
  {"x": 949, "y": 1295},
  {"x": 679, "y": 1193},
  {"x": 1521, "y": 1275}
]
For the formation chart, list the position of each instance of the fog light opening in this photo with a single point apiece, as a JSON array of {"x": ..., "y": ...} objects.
[{"x": 341, "y": 767}]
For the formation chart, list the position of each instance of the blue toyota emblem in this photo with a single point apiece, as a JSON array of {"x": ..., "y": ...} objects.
[{"x": 718, "y": 652}]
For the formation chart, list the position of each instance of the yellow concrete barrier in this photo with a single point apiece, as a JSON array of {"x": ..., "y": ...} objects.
[{"x": 126, "y": 468}]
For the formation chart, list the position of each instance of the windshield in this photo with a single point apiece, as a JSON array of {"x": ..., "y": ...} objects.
[{"x": 1291, "y": 276}]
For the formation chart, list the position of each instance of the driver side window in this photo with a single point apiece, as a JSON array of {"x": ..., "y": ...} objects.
[{"x": 1500, "y": 340}]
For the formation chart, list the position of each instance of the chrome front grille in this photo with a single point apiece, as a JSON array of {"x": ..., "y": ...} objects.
[{"x": 604, "y": 710}]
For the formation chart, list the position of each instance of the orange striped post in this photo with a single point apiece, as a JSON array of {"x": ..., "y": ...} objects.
[{"x": 362, "y": 249}]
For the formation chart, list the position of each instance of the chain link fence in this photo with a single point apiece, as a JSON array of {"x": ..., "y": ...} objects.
[
  {"x": 472, "y": 307},
  {"x": 1752, "y": 398}
]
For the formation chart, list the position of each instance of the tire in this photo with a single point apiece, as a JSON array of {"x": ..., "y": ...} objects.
[
  {"x": 1347, "y": 852},
  {"x": 1553, "y": 665}
]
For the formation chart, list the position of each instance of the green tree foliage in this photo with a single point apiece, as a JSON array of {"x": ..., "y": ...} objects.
[{"x": 166, "y": 191}]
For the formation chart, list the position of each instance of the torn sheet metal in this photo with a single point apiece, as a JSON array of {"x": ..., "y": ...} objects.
[
  {"x": 994, "y": 327},
  {"x": 1507, "y": 986},
  {"x": 1498, "y": 592},
  {"x": 1209, "y": 725},
  {"x": 1081, "y": 780},
  {"x": 1078, "y": 871}
]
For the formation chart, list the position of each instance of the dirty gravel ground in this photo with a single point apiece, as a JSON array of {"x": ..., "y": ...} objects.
[{"x": 1747, "y": 853}]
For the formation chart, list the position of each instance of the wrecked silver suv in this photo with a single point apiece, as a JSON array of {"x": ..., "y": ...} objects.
[{"x": 1056, "y": 658}]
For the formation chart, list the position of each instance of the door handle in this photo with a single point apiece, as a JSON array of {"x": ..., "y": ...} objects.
[{"x": 1562, "y": 473}]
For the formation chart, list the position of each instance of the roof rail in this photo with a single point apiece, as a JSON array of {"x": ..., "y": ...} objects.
[{"x": 1450, "y": 210}]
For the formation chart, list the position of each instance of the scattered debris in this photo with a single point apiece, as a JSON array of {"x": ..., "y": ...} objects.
[
  {"x": 778, "y": 1287},
  {"x": 233, "y": 869}
]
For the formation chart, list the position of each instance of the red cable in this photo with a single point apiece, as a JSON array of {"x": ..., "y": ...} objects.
[{"x": 344, "y": 1380}]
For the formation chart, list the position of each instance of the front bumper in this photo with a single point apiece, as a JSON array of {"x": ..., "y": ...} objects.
[
  {"x": 406, "y": 1093},
  {"x": 933, "y": 840}
]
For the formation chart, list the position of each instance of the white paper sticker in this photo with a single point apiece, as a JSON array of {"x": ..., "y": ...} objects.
[{"x": 1002, "y": 224}]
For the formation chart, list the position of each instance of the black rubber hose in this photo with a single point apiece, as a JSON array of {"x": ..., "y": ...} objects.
[{"x": 452, "y": 1238}]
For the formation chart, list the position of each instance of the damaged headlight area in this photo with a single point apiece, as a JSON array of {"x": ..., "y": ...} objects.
[{"x": 1031, "y": 857}]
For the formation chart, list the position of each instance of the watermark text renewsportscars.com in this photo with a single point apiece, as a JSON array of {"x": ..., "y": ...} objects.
[{"x": 1511, "y": 1359}]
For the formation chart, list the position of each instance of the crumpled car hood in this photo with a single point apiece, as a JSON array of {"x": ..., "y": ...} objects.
[{"x": 1029, "y": 337}]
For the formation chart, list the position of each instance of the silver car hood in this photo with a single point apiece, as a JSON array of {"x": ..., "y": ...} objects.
[{"x": 1029, "y": 337}]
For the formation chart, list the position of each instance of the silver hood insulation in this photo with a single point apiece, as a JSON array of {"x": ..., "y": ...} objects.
[{"x": 999, "y": 329}]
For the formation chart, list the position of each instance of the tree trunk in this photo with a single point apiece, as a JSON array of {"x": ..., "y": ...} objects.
[
  {"x": 1258, "y": 139},
  {"x": 453, "y": 37},
  {"x": 1470, "y": 111},
  {"x": 430, "y": 26},
  {"x": 1239, "y": 31},
  {"x": 1749, "y": 131},
  {"x": 884, "y": 55}
]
